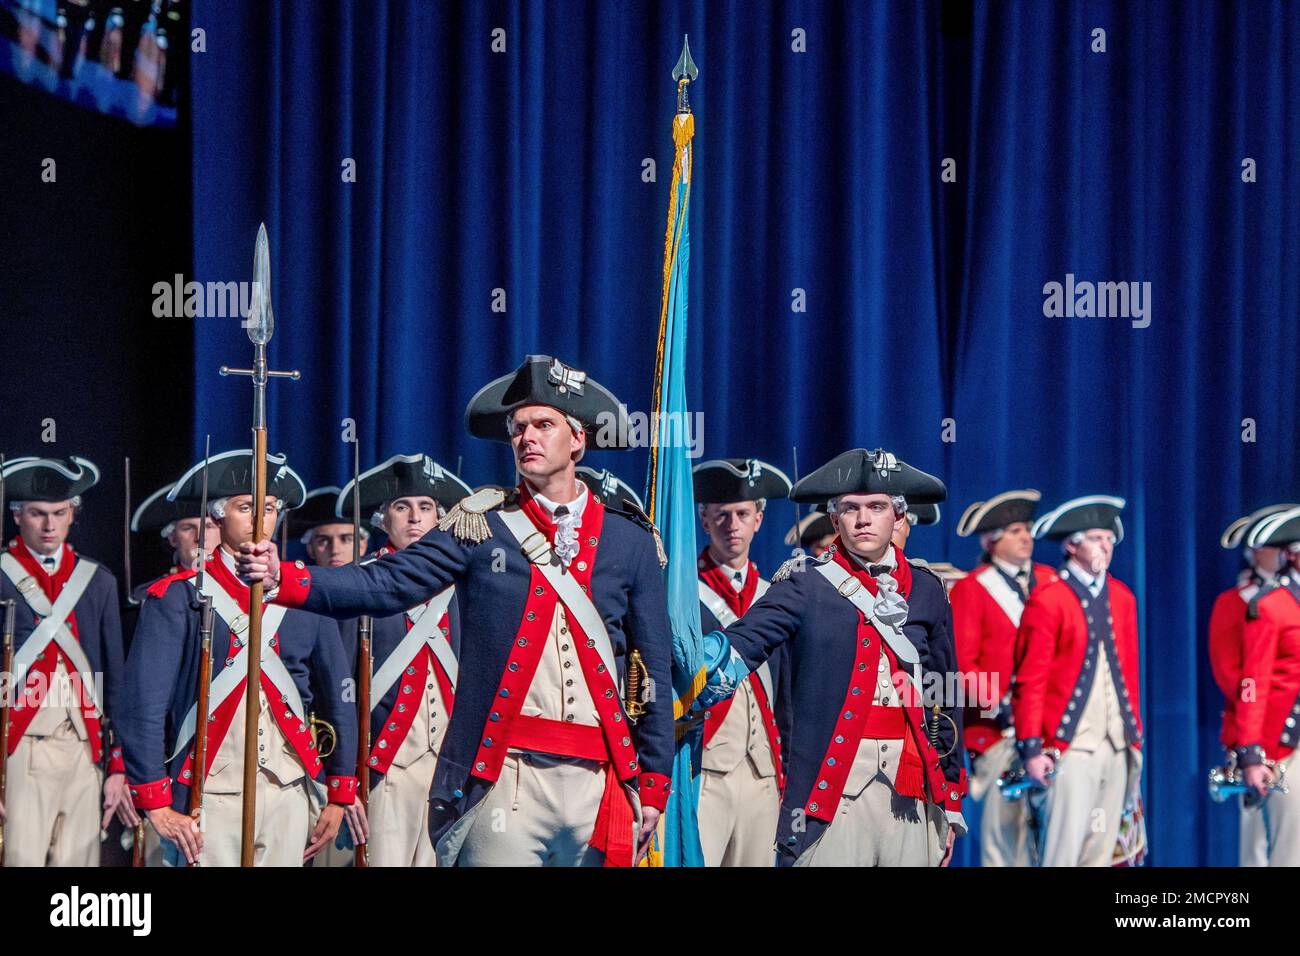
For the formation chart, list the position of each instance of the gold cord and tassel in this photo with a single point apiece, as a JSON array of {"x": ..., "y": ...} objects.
[{"x": 467, "y": 520}]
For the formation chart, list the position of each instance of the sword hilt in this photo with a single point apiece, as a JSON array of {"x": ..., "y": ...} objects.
[
  {"x": 637, "y": 675},
  {"x": 293, "y": 375}
]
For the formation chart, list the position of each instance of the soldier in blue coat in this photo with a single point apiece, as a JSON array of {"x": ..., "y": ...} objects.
[
  {"x": 177, "y": 522},
  {"x": 328, "y": 540},
  {"x": 874, "y": 773},
  {"x": 66, "y": 677},
  {"x": 544, "y": 761},
  {"x": 413, "y": 661},
  {"x": 326, "y": 536},
  {"x": 304, "y": 674},
  {"x": 742, "y": 768}
]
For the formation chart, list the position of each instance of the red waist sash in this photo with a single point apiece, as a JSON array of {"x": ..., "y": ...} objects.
[
  {"x": 612, "y": 835},
  {"x": 885, "y": 723}
]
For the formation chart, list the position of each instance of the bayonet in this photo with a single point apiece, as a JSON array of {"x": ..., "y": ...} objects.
[
  {"x": 126, "y": 527},
  {"x": 137, "y": 843},
  {"x": 794, "y": 449}
]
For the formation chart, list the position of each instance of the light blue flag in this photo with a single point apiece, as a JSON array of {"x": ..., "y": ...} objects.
[{"x": 672, "y": 497}]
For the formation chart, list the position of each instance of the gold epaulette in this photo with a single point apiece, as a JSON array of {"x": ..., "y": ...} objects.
[
  {"x": 466, "y": 520},
  {"x": 788, "y": 568}
]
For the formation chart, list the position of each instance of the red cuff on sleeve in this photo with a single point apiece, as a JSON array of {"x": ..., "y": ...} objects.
[
  {"x": 342, "y": 790},
  {"x": 115, "y": 762},
  {"x": 953, "y": 792},
  {"x": 654, "y": 789},
  {"x": 152, "y": 796},
  {"x": 295, "y": 584}
]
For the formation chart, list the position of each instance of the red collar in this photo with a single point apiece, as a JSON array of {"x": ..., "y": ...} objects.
[
  {"x": 51, "y": 584},
  {"x": 236, "y": 588},
  {"x": 542, "y": 518},
  {"x": 718, "y": 579},
  {"x": 593, "y": 519},
  {"x": 902, "y": 574}
]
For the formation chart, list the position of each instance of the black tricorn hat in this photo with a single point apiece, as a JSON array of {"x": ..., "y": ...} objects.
[
  {"x": 48, "y": 479},
  {"x": 612, "y": 490},
  {"x": 156, "y": 512},
  {"x": 922, "y": 514},
  {"x": 403, "y": 476},
  {"x": 231, "y": 473},
  {"x": 724, "y": 480},
  {"x": 1276, "y": 530},
  {"x": 316, "y": 509},
  {"x": 543, "y": 380},
  {"x": 1001, "y": 510},
  {"x": 1081, "y": 514},
  {"x": 813, "y": 526},
  {"x": 1239, "y": 531},
  {"x": 862, "y": 472}
]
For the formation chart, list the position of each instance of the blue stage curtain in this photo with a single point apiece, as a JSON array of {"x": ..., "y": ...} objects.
[
  {"x": 817, "y": 181},
  {"x": 1127, "y": 165}
]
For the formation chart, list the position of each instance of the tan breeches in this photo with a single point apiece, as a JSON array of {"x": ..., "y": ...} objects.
[
  {"x": 738, "y": 814},
  {"x": 52, "y": 802}
]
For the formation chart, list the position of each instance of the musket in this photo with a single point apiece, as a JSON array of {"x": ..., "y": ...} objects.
[
  {"x": 199, "y": 763},
  {"x": 137, "y": 845},
  {"x": 9, "y": 690},
  {"x": 364, "y": 662},
  {"x": 794, "y": 453},
  {"x": 126, "y": 525},
  {"x": 261, "y": 326}
]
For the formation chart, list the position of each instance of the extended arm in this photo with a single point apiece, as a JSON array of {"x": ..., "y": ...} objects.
[{"x": 387, "y": 586}]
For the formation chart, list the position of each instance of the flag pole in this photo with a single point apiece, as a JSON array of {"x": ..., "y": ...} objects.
[
  {"x": 669, "y": 495},
  {"x": 684, "y": 73}
]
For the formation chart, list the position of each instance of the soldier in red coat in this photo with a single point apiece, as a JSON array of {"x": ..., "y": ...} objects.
[
  {"x": 1227, "y": 624},
  {"x": 1075, "y": 696},
  {"x": 986, "y": 609},
  {"x": 1268, "y": 708}
]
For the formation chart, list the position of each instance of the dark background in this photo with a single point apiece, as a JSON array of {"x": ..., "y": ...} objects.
[
  {"x": 817, "y": 170},
  {"x": 78, "y": 260}
]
